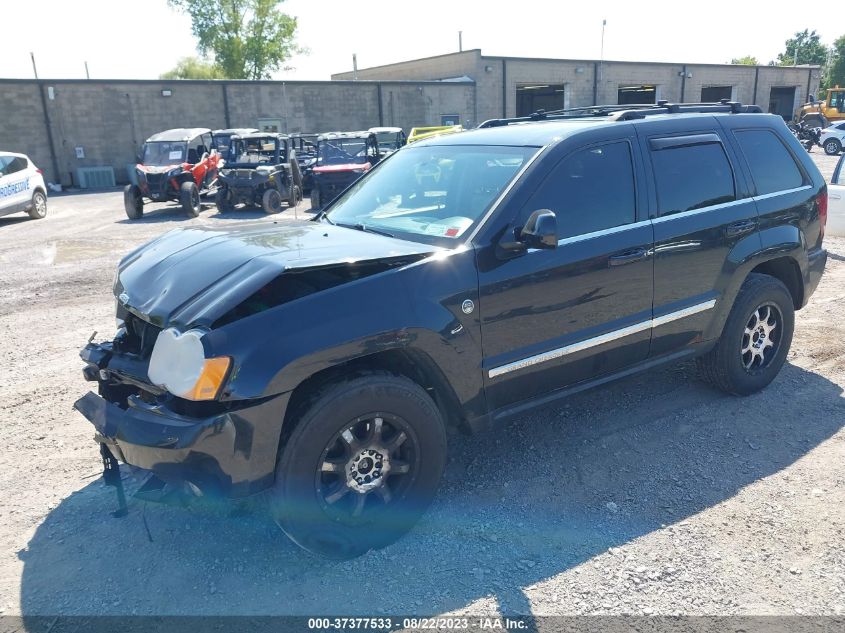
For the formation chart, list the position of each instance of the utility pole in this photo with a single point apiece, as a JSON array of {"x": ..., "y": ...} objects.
[
  {"x": 87, "y": 74},
  {"x": 354, "y": 67},
  {"x": 601, "y": 54},
  {"x": 460, "y": 41},
  {"x": 34, "y": 69}
]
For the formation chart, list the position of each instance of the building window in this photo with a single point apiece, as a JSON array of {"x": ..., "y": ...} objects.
[
  {"x": 714, "y": 94},
  {"x": 450, "y": 119},
  {"x": 629, "y": 95},
  {"x": 533, "y": 97}
]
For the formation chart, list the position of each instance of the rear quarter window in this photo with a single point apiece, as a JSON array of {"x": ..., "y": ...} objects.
[
  {"x": 772, "y": 166},
  {"x": 692, "y": 177}
]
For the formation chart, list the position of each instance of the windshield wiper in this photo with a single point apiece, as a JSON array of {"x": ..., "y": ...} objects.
[{"x": 366, "y": 229}]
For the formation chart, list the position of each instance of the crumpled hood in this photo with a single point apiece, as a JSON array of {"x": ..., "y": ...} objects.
[{"x": 192, "y": 277}]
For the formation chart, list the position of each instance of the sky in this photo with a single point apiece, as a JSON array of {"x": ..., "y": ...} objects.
[{"x": 140, "y": 39}]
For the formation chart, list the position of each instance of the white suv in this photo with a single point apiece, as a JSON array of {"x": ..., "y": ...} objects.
[
  {"x": 21, "y": 186},
  {"x": 833, "y": 138}
]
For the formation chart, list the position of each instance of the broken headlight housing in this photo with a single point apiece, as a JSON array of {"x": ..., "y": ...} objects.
[{"x": 178, "y": 364}]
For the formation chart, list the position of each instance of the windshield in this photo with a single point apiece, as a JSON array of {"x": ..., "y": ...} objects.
[
  {"x": 342, "y": 151},
  {"x": 432, "y": 194},
  {"x": 221, "y": 142},
  {"x": 256, "y": 151},
  {"x": 164, "y": 153},
  {"x": 387, "y": 140}
]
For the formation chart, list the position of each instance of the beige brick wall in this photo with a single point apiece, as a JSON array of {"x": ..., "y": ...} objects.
[{"x": 110, "y": 119}]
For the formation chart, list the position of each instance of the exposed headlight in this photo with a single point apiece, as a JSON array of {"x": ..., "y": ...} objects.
[{"x": 178, "y": 364}]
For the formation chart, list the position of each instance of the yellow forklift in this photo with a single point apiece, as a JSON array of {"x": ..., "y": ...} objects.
[{"x": 823, "y": 113}]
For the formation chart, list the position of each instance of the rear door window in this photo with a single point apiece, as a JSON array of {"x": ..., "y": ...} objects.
[
  {"x": 772, "y": 166},
  {"x": 690, "y": 177},
  {"x": 590, "y": 190}
]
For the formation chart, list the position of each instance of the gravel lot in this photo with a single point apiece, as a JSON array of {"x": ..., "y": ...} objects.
[{"x": 653, "y": 495}]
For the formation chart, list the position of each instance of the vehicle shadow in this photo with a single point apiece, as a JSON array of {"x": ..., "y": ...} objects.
[
  {"x": 519, "y": 504},
  {"x": 159, "y": 213},
  {"x": 10, "y": 220}
]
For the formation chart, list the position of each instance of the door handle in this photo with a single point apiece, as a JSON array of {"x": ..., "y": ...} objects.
[
  {"x": 834, "y": 196},
  {"x": 738, "y": 228},
  {"x": 628, "y": 257}
]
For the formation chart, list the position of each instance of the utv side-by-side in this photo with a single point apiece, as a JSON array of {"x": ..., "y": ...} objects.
[
  {"x": 262, "y": 171},
  {"x": 342, "y": 158},
  {"x": 179, "y": 165}
]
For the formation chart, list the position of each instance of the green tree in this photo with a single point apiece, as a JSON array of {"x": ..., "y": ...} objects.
[
  {"x": 249, "y": 39},
  {"x": 747, "y": 60},
  {"x": 809, "y": 48},
  {"x": 835, "y": 75},
  {"x": 193, "y": 68}
]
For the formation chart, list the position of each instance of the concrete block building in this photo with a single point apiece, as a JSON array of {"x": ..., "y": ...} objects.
[
  {"x": 518, "y": 86},
  {"x": 68, "y": 125}
]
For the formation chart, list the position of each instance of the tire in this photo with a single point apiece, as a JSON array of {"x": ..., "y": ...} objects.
[
  {"x": 271, "y": 201},
  {"x": 320, "y": 475},
  {"x": 832, "y": 146},
  {"x": 315, "y": 199},
  {"x": 133, "y": 202},
  {"x": 743, "y": 363},
  {"x": 38, "y": 210},
  {"x": 295, "y": 196},
  {"x": 189, "y": 196},
  {"x": 223, "y": 200}
]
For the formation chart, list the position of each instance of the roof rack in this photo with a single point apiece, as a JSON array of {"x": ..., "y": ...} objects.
[{"x": 626, "y": 112}]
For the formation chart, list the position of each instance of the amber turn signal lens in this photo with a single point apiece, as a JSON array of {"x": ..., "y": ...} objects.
[{"x": 211, "y": 379}]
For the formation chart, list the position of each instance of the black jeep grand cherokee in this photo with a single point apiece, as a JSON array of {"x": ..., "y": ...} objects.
[{"x": 463, "y": 280}]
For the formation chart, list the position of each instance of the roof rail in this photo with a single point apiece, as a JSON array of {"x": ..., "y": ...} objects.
[{"x": 626, "y": 112}]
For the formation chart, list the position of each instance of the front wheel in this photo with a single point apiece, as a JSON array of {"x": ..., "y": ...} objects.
[
  {"x": 133, "y": 202},
  {"x": 189, "y": 196},
  {"x": 223, "y": 200},
  {"x": 271, "y": 201},
  {"x": 38, "y": 210},
  {"x": 832, "y": 147},
  {"x": 360, "y": 467},
  {"x": 755, "y": 340}
]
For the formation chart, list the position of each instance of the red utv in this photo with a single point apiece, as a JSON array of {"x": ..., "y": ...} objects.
[
  {"x": 179, "y": 165},
  {"x": 342, "y": 158}
]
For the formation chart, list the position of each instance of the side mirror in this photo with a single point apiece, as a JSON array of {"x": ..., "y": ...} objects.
[{"x": 540, "y": 231}]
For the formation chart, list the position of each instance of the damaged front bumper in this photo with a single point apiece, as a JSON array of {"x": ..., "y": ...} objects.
[{"x": 221, "y": 448}]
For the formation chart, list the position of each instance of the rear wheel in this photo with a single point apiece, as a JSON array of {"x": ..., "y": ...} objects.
[
  {"x": 38, "y": 210},
  {"x": 832, "y": 146},
  {"x": 360, "y": 467},
  {"x": 755, "y": 339},
  {"x": 223, "y": 200},
  {"x": 133, "y": 202},
  {"x": 295, "y": 196},
  {"x": 189, "y": 196},
  {"x": 271, "y": 201}
]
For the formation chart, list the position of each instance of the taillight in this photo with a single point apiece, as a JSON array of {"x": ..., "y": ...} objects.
[
  {"x": 38, "y": 171},
  {"x": 822, "y": 202}
]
